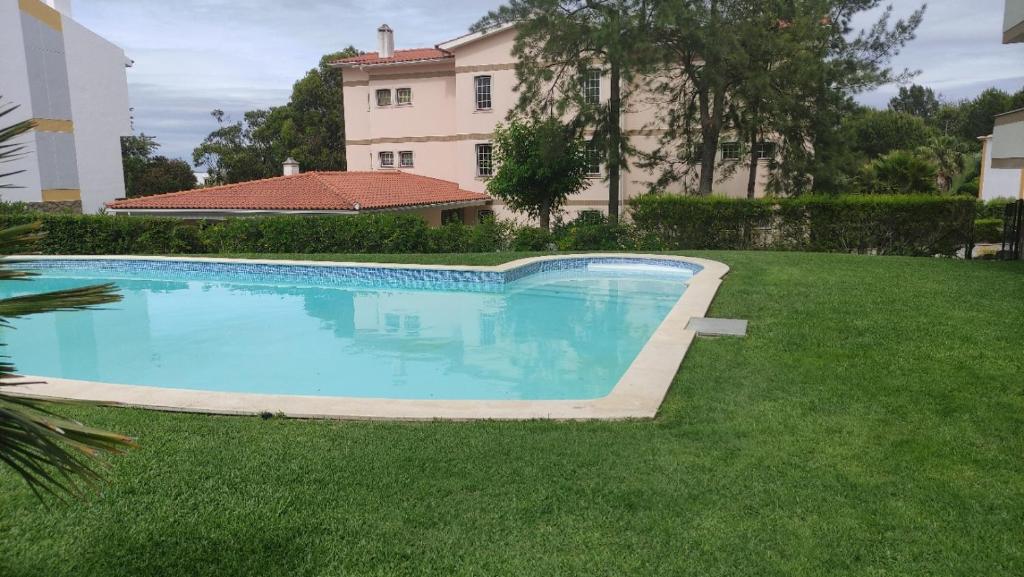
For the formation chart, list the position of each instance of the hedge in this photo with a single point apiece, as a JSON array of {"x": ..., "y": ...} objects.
[
  {"x": 906, "y": 225},
  {"x": 876, "y": 224}
]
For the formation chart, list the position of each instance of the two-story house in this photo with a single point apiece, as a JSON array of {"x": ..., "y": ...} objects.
[{"x": 432, "y": 111}]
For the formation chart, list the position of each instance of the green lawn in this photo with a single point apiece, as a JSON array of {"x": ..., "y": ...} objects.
[{"x": 871, "y": 424}]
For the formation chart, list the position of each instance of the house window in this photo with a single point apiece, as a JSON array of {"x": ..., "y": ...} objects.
[
  {"x": 451, "y": 216},
  {"x": 483, "y": 160},
  {"x": 403, "y": 96},
  {"x": 594, "y": 157},
  {"x": 590, "y": 216},
  {"x": 483, "y": 216},
  {"x": 592, "y": 86},
  {"x": 386, "y": 159},
  {"x": 765, "y": 150},
  {"x": 405, "y": 159},
  {"x": 483, "y": 92},
  {"x": 383, "y": 98},
  {"x": 730, "y": 151}
]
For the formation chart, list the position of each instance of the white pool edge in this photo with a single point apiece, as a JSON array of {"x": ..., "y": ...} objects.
[{"x": 637, "y": 395}]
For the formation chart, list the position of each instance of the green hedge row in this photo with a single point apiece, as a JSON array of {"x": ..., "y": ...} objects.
[
  {"x": 384, "y": 233},
  {"x": 907, "y": 225},
  {"x": 877, "y": 224}
]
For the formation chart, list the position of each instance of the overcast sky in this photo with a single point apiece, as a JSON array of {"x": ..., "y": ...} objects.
[{"x": 192, "y": 56}]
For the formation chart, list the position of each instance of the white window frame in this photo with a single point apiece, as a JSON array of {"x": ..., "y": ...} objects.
[
  {"x": 481, "y": 171},
  {"x": 592, "y": 86},
  {"x": 398, "y": 100},
  {"x": 763, "y": 148},
  {"x": 401, "y": 159},
  {"x": 381, "y": 91},
  {"x": 381, "y": 156},
  {"x": 593, "y": 151},
  {"x": 731, "y": 145},
  {"x": 477, "y": 93}
]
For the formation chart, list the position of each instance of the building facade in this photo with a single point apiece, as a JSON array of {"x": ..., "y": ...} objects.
[
  {"x": 432, "y": 111},
  {"x": 72, "y": 84},
  {"x": 1007, "y": 143}
]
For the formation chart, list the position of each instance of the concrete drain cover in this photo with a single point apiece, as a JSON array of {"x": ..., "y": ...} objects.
[{"x": 718, "y": 327}]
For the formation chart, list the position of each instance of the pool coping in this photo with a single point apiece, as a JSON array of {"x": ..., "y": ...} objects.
[{"x": 637, "y": 395}]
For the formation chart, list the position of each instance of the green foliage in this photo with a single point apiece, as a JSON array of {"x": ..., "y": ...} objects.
[
  {"x": 146, "y": 174},
  {"x": 10, "y": 149},
  {"x": 529, "y": 238},
  {"x": 988, "y": 230},
  {"x": 878, "y": 132},
  {"x": 877, "y": 224},
  {"x": 540, "y": 163},
  {"x": 900, "y": 172},
  {"x": 558, "y": 43},
  {"x": 916, "y": 100},
  {"x": 901, "y": 224},
  {"x": 51, "y": 453},
  {"x": 310, "y": 128},
  {"x": 994, "y": 208}
]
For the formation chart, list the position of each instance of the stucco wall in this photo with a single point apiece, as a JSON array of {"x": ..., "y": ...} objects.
[
  {"x": 100, "y": 110},
  {"x": 443, "y": 127},
  {"x": 14, "y": 90}
]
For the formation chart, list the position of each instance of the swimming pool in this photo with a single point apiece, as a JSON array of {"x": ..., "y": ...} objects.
[{"x": 544, "y": 330}]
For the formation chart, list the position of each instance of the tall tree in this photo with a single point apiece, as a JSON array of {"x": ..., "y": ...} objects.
[
  {"x": 835, "y": 62},
  {"x": 540, "y": 163},
  {"x": 310, "y": 128},
  {"x": 916, "y": 100},
  {"x": 146, "y": 174},
  {"x": 558, "y": 45}
]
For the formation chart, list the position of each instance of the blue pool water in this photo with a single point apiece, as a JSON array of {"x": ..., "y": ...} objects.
[{"x": 564, "y": 329}]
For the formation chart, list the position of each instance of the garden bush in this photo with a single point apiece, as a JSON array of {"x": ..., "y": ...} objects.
[
  {"x": 915, "y": 225},
  {"x": 877, "y": 224},
  {"x": 988, "y": 230},
  {"x": 530, "y": 238}
]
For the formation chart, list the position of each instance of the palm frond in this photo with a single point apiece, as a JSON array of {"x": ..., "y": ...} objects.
[
  {"x": 63, "y": 300},
  {"x": 53, "y": 454},
  {"x": 10, "y": 150}
]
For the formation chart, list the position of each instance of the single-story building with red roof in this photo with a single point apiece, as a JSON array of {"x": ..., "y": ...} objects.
[{"x": 318, "y": 193}]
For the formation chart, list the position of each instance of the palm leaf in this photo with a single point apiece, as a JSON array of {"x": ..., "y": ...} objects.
[{"x": 53, "y": 454}]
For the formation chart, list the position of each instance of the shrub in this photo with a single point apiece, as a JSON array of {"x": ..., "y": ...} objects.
[
  {"x": 879, "y": 224},
  {"x": 988, "y": 230},
  {"x": 529, "y": 238},
  {"x": 900, "y": 172},
  {"x": 993, "y": 208}
]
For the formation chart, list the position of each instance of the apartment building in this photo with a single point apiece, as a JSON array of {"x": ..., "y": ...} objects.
[
  {"x": 73, "y": 84},
  {"x": 1007, "y": 141},
  {"x": 432, "y": 111}
]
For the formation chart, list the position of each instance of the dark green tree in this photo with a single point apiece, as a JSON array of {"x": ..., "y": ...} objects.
[
  {"x": 819, "y": 59},
  {"x": 878, "y": 132},
  {"x": 310, "y": 128},
  {"x": 540, "y": 163},
  {"x": 558, "y": 44},
  {"x": 916, "y": 100},
  {"x": 900, "y": 172},
  {"x": 236, "y": 151},
  {"x": 146, "y": 174}
]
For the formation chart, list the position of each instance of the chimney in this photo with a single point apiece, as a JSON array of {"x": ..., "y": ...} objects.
[
  {"x": 291, "y": 168},
  {"x": 385, "y": 41}
]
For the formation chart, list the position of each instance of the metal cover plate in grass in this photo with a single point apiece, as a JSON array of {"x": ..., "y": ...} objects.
[{"x": 718, "y": 327}]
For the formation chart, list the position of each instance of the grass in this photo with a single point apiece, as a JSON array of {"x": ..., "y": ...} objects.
[{"x": 871, "y": 424}]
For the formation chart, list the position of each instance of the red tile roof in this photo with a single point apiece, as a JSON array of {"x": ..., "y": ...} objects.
[
  {"x": 413, "y": 55},
  {"x": 312, "y": 191}
]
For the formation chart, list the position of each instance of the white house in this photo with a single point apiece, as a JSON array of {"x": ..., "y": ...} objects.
[{"x": 72, "y": 83}]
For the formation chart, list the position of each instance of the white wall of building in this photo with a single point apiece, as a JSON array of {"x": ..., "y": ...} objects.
[
  {"x": 100, "y": 110},
  {"x": 14, "y": 90},
  {"x": 998, "y": 182},
  {"x": 72, "y": 82}
]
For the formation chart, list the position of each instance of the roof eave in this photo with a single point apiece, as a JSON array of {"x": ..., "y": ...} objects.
[
  {"x": 473, "y": 37},
  {"x": 362, "y": 65}
]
